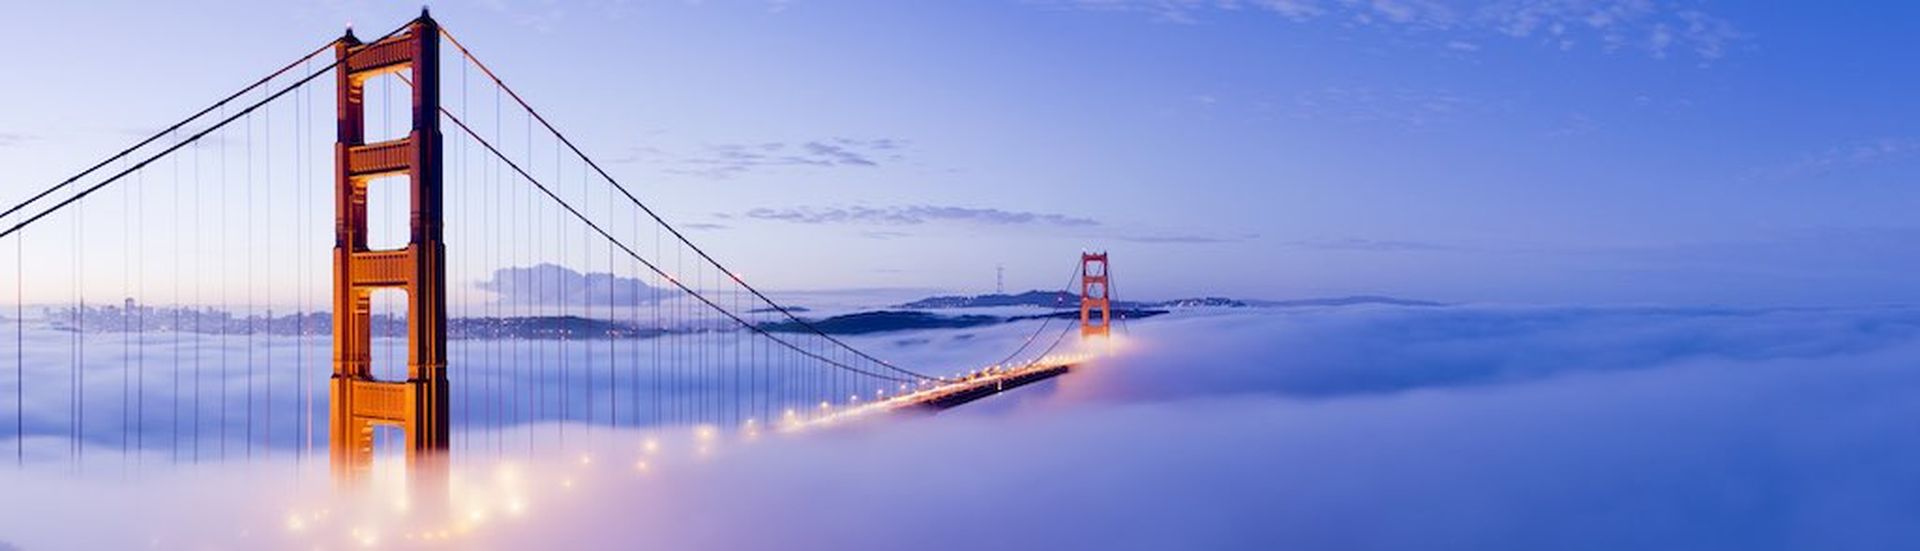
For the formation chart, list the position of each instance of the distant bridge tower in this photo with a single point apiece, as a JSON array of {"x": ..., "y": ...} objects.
[
  {"x": 418, "y": 405},
  {"x": 1093, "y": 295}
]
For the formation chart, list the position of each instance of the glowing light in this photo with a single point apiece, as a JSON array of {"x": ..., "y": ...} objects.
[
  {"x": 586, "y": 459},
  {"x": 652, "y": 445},
  {"x": 366, "y": 537},
  {"x": 641, "y": 466}
]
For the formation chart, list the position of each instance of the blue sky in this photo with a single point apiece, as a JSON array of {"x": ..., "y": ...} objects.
[{"x": 1525, "y": 151}]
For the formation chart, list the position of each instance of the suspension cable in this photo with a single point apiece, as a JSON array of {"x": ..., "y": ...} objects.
[
  {"x": 190, "y": 139},
  {"x": 663, "y": 223},
  {"x": 157, "y": 135},
  {"x": 1043, "y": 324},
  {"x": 650, "y": 265}
]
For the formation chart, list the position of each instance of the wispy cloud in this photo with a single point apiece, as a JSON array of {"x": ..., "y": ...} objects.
[
  {"x": 1363, "y": 104},
  {"x": 1843, "y": 157},
  {"x": 720, "y": 161},
  {"x": 1367, "y": 245},
  {"x": 1576, "y": 124},
  {"x": 915, "y": 215},
  {"x": 1657, "y": 29},
  {"x": 1186, "y": 238},
  {"x": 10, "y": 139}
]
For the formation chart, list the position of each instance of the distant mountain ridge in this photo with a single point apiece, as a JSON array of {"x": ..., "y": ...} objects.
[{"x": 1063, "y": 299}]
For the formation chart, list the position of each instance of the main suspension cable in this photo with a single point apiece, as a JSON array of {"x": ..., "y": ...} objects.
[
  {"x": 662, "y": 222},
  {"x": 650, "y": 265},
  {"x": 190, "y": 139}
]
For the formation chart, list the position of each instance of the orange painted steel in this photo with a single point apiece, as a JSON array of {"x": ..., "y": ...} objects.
[
  {"x": 359, "y": 402},
  {"x": 1093, "y": 295}
]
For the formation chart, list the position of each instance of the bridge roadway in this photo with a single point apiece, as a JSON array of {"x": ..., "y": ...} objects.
[
  {"x": 980, "y": 385},
  {"x": 957, "y": 391}
]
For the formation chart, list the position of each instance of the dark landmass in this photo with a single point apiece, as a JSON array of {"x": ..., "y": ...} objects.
[
  {"x": 898, "y": 320},
  {"x": 134, "y": 318},
  {"x": 1118, "y": 314},
  {"x": 794, "y": 309},
  {"x": 130, "y": 317},
  {"x": 546, "y": 327},
  {"x": 1047, "y": 299},
  {"x": 1063, "y": 299},
  {"x": 885, "y": 320}
]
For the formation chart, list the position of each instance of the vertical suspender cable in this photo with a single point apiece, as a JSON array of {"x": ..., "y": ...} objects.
[
  {"x": 19, "y": 352},
  {"x": 266, "y": 306}
]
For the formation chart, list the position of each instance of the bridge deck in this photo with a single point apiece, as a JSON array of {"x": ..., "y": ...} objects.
[{"x": 980, "y": 386}]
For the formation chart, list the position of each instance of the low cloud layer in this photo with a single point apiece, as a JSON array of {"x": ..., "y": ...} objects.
[{"x": 1322, "y": 428}]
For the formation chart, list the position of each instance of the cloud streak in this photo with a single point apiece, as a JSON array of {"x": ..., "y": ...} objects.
[
  {"x": 1656, "y": 29},
  {"x": 913, "y": 215},
  {"x": 1845, "y": 157},
  {"x": 1183, "y": 238},
  {"x": 727, "y": 160}
]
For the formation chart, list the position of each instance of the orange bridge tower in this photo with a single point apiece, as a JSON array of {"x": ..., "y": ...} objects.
[
  {"x": 359, "y": 402},
  {"x": 1093, "y": 295}
]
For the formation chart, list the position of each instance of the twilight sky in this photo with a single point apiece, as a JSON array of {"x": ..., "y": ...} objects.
[{"x": 1509, "y": 151}]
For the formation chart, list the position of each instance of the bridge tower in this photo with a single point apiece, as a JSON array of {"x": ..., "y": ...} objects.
[
  {"x": 1093, "y": 295},
  {"x": 359, "y": 402}
]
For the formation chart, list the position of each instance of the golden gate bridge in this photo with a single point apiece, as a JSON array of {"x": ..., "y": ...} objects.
[{"x": 176, "y": 287}]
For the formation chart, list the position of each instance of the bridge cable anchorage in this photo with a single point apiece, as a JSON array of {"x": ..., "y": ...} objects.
[
  {"x": 575, "y": 212},
  {"x": 16, "y": 227},
  {"x": 662, "y": 221}
]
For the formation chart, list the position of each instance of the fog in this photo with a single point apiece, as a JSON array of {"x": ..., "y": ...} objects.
[{"x": 1468, "y": 427}]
